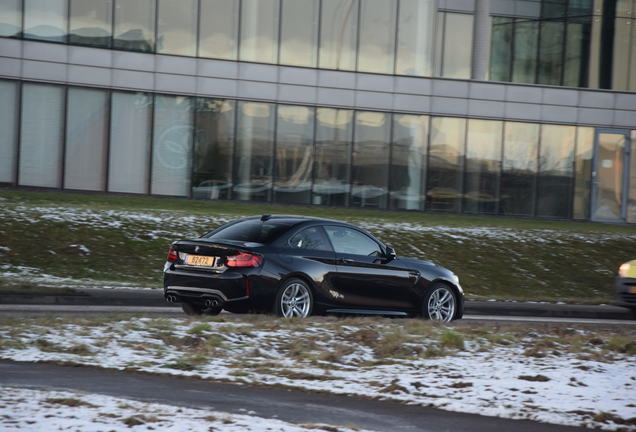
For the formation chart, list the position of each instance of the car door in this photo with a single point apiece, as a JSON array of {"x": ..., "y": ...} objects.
[{"x": 365, "y": 278}]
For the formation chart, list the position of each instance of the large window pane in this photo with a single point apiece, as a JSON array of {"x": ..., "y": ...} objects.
[
  {"x": 10, "y": 17},
  {"x": 377, "y": 36},
  {"x": 526, "y": 39},
  {"x": 86, "y": 135},
  {"x": 501, "y": 49},
  {"x": 213, "y": 148},
  {"x": 577, "y": 52},
  {"x": 129, "y": 142},
  {"x": 416, "y": 33},
  {"x": 299, "y": 32},
  {"x": 259, "y": 31},
  {"x": 45, "y": 20},
  {"x": 91, "y": 22},
  {"x": 519, "y": 168},
  {"x": 551, "y": 48},
  {"x": 408, "y": 161},
  {"x": 8, "y": 118},
  {"x": 483, "y": 158},
  {"x": 294, "y": 154},
  {"x": 219, "y": 29},
  {"x": 620, "y": 58},
  {"x": 370, "y": 161},
  {"x": 254, "y": 151},
  {"x": 172, "y": 146},
  {"x": 445, "y": 163},
  {"x": 583, "y": 173},
  {"x": 41, "y": 135},
  {"x": 135, "y": 25},
  {"x": 334, "y": 134},
  {"x": 338, "y": 34},
  {"x": 458, "y": 45},
  {"x": 177, "y": 27},
  {"x": 554, "y": 187}
]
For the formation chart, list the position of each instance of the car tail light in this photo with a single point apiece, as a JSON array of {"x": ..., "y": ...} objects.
[
  {"x": 172, "y": 255},
  {"x": 244, "y": 259}
]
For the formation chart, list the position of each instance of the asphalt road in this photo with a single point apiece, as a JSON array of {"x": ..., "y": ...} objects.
[{"x": 289, "y": 405}]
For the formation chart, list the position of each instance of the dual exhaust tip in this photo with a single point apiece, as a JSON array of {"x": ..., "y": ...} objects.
[{"x": 210, "y": 302}]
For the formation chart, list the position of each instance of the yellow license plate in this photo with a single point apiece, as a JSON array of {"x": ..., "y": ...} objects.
[
  {"x": 200, "y": 260},
  {"x": 632, "y": 290}
]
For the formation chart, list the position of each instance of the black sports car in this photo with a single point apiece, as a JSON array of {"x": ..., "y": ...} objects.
[{"x": 297, "y": 266}]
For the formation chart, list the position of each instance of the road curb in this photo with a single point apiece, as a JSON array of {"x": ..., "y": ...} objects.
[{"x": 154, "y": 298}]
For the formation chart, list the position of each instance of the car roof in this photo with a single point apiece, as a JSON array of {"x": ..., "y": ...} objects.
[{"x": 294, "y": 219}]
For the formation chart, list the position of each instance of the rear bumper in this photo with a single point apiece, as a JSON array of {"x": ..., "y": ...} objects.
[
  {"x": 626, "y": 292},
  {"x": 197, "y": 286}
]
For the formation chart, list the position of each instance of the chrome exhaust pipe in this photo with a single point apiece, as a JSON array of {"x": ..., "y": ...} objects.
[
  {"x": 171, "y": 298},
  {"x": 212, "y": 303}
]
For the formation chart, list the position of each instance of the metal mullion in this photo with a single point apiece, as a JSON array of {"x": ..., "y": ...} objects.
[
  {"x": 357, "y": 45},
  {"x": 313, "y": 164},
  {"x": 318, "y": 38},
  {"x": 193, "y": 156},
  {"x": 239, "y": 29},
  {"x": 154, "y": 43},
  {"x": 280, "y": 35},
  {"x": 62, "y": 163},
  {"x": 234, "y": 165},
  {"x": 428, "y": 161},
  {"x": 537, "y": 173},
  {"x": 153, "y": 98},
  {"x": 274, "y": 158},
  {"x": 106, "y": 151},
  {"x": 464, "y": 165},
  {"x": 390, "y": 161},
  {"x": 501, "y": 161},
  {"x": 197, "y": 42},
  {"x": 111, "y": 43},
  {"x": 395, "y": 37},
  {"x": 573, "y": 185},
  {"x": 67, "y": 37},
  {"x": 22, "y": 20},
  {"x": 18, "y": 135}
]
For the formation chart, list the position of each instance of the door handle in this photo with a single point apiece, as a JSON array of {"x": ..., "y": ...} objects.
[{"x": 345, "y": 261}]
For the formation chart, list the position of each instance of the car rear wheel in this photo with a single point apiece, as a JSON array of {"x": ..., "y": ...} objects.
[
  {"x": 294, "y": 299},
  {"x": 440, "y": 303}
]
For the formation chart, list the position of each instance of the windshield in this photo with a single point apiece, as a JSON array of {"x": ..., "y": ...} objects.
[{"x": 252, "y": 230}]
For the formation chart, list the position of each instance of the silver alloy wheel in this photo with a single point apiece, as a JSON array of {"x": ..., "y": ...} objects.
[
  {"x": 295, "y": 301},
  {"x": 441, "y": 304}
]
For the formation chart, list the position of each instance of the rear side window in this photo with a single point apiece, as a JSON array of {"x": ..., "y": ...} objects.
[
  {"x": 350, "y": 241},
  {"x": 312, "y": 238},
  {"x": 253, "y": 230}
]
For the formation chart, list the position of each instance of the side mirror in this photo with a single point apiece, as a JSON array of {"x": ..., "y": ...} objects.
[{"x": 390, "y": 253}]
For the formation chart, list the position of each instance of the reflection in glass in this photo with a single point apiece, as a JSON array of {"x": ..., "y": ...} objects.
[
  {"x": 10, "y": 17},
  {"x": 445, "y": 163},
  {"x": 370, "y": 159},
  {"x": 8, "y": 117},
  {"x": 299, "y": 32},
  {"x": 483, "y": 158},
  {"x": 458, "y": 45},
  {"x": 177, "y": 27},
  {"x": 376, "y": 48},
  {"x": 576, "y": 52},
  {"x": 91, "y": 22},
  {"x": 219, "y": 29},
  {"x": 294, "y": 154},
  {"x": 135, "y": 25},
  {"x": 524, "y": 62},
  {"x": 551, "y": 49},
  {"x": 501, "y": 48},
  {"x": 519, "y": 168},
  {"x": 623, "y": 32},
  {"x": 259, "y": 31},
  {"x": 254, "y": 151},
  {"x": 583, "y": 172},
  {"x": 213, "y": 148},
  {"x": 172, "y": 146},
  {"x": 129, "y": 142},
  {"x": 608, "y": 191},
  {"x": 416, "y": 33},
  {"x": 554, "y": 183},
  {"x": 408, "y": 161},
  {"x": 86, "y": 136},
  {"x": 631, "y": 203},
  {"x": 338, "y": 34},
  {"x": 41, "y": 135},
  {"x": 334, "y": 134},
  {"x": 45, "y": 20}
]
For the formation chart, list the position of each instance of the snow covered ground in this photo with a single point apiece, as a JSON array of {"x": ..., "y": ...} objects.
[
  {"x": 42, "y": 410},
  {"x": 554, "y": 375}
]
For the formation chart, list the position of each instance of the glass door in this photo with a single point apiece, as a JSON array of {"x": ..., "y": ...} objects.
[{"x": 609, "y": 175}]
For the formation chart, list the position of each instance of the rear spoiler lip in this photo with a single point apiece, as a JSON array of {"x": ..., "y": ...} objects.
[{"x": 224, "y": 243}]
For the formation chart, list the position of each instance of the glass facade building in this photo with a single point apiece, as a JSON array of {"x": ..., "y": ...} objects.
[{"x": 510, "y": 108}]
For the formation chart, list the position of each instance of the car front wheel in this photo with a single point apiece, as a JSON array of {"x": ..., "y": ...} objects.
[
  {"x": 294, "y": 299},
  {"x": 440, "y": 303}
]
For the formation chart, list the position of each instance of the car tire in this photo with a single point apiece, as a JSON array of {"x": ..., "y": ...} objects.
[
  {"x": 440, "y": 303},
  {"x": 191, "y": 309},
  {"x": 294, "y": 299}
]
